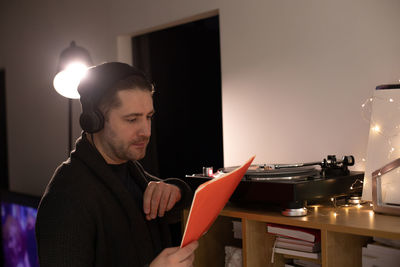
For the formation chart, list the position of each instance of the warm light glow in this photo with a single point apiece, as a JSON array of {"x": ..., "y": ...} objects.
[
  {"x": 363, "y": 159},
  {"x": 371, "y": 213},
  {"x": 376, "y": 129},
  {"x": 66, "y": 82},
  {"x": 391, "y": 100},
  {"x": 358, "y": 206},
  {"x": 335, "y": 214}
]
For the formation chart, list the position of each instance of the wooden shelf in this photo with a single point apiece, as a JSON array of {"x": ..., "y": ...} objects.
[{"x": 344, "y": 231}]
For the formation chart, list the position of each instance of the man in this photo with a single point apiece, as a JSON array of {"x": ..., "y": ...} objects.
[{"x": 101, "y": 208}]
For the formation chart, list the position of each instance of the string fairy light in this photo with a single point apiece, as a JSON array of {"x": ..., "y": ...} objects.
[
  {"x": 354, "y": 201},
  {"x": 377, "y": 128},
  {"x": 353, "y": 185},
  {"x": 387, "y": 132}
]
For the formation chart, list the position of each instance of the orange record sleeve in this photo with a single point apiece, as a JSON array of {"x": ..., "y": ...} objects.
[{"x": 208, "y": 201}]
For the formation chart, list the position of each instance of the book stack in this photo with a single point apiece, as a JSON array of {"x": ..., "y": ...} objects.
[
  {"x": 302, "y": 263},
  {"x": 296, "y": 241},
  {"x": 381, "y": 252}
]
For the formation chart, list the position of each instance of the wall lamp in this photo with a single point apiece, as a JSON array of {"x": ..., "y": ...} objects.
[{"x": 72, "y": 66}]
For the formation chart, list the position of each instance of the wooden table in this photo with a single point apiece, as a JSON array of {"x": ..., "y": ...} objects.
[{"x": 344, "y": 231}]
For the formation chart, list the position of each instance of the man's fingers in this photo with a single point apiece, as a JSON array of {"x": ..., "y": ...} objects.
[
  {"x": 171, "y": 250},
  {"x": 187, "y": 250},
  {"x": 155, "y": 200},
  {"x": 175, "y": 196},
  {"x": 189, "y": 260},
  {"x": 182, "y": 255},
  {"x": 166, "y": 195},
  {"x": 147, "y": 197},
  {"x": 171, "y": 202},
  {"x": 176, "y": 256},
  {"x": 158, "y": 198}
]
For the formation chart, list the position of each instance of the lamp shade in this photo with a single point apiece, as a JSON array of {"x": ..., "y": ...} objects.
[{"x": 71, "y": 67}]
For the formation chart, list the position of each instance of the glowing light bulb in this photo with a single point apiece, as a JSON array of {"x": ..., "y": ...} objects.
[
  {"x": 391, "y": 100},
  {"x": 363, "y": 159},
  {"x": 66, "y": 82},
  {"x": 376, "y": 129},
  {"x": 392, "y": 149}
]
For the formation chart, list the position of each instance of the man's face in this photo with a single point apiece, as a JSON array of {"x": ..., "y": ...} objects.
[{"x": 127, "y": 128}]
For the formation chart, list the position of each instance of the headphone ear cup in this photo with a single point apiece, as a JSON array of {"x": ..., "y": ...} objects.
[{"x": 92, "y": 122}]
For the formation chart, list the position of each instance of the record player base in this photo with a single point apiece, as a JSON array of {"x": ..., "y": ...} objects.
[{"x": 344, "y": 231}]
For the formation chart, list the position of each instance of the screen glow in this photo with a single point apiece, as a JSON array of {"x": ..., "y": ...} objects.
[{"x": 18, "y": 235}]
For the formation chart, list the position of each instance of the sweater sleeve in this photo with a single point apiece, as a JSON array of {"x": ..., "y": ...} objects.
[
  {"x": 173, "y": 215},
  {"x": 186, "y": 191},
  {"x": 64, "y": 232}
]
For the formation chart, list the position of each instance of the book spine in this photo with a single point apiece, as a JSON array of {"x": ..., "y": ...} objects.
[
  {"x": 310, "y": 235},
  {"x": 292, "y": 234},
  {"x": 297, "y": 253}
]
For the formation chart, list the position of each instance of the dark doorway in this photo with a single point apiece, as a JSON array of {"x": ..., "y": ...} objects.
[
  {"x": 3, "y": 133},
  {"x": 184, "y": 63}
]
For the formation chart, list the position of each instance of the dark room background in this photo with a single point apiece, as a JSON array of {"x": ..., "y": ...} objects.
[
  {"x": 184, "y": 64},
  {"x": 3, "y": 133}
]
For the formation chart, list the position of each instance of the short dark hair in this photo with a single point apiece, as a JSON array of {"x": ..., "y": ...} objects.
[
  {"x": 98, "y": 89},
  {"x": 110, "y": 99}
]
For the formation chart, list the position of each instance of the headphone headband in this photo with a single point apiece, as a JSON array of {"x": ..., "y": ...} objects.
[{"x": 99, "y": 79}]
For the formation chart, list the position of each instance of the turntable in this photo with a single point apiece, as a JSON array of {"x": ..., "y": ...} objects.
[{"x": 292, "y": 187}]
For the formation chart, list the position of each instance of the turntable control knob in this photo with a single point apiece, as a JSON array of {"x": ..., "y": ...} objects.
[
  {"x": 208, "y": 171},
  {"x": 348, "y": 160}
]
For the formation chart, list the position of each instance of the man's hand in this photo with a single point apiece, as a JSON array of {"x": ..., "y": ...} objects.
[
  {"x": 158, "y": 198},
  {"x": 176, "y": 256}
]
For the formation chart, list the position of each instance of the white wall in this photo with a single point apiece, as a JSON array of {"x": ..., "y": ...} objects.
[{"x": 294, "y": 73}]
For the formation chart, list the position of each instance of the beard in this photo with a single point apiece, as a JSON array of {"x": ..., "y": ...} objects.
[
  {"x": 131, "y": 150},
  {"x": 120, "y": 149}
]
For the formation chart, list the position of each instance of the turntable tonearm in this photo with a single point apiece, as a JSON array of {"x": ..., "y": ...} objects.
[{"x": 292, "y": 186}]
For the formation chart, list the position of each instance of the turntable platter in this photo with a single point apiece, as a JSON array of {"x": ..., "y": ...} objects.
[{"x": 263, "y": 173}]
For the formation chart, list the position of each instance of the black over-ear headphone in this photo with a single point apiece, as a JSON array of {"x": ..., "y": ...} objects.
[
  {"x": 91, "y": 119},
  {"x": 97, "y": 81}
]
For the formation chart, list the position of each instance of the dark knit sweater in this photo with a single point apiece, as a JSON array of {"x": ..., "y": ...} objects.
[{"x": 87, "y": 217}]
